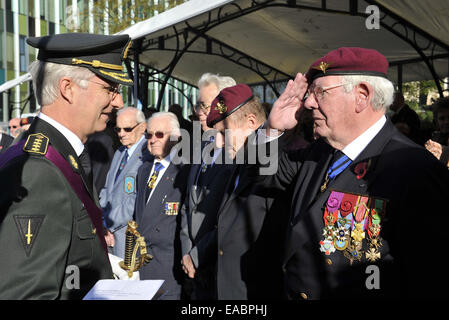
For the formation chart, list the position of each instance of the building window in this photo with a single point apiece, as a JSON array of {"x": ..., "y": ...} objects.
[
  {"x": 22, "y": 51},
  {"x": 31, "y": 27}
]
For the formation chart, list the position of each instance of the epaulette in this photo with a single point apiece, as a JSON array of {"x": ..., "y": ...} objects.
[{"x": 36, "y": 143}]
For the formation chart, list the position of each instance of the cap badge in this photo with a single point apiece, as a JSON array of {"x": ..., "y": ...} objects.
[
  {"x": 322, "y": 66},
  {"x": 221, "y": 107}
]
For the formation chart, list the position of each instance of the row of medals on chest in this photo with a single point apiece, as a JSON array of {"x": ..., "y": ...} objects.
[{"x": 346, "y": 231}]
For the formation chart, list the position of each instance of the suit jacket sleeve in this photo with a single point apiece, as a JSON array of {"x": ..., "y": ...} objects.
[
  {"x": 186, "y": 242},
  {"x": 40, "y": 191}
]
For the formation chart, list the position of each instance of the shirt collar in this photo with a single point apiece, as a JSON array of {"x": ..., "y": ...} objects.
[
  {"x": 134, "y": 146},
  {"x": 359, "y": 144},
  {"x": 73, "y": 139}
]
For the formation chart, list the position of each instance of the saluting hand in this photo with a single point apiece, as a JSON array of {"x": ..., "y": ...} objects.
[{"x": 286, "y": 109}]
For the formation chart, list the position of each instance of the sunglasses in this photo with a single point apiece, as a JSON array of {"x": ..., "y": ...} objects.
[
  {"x": 12, "y": 127},
  {"x": 117, "y": 129},
  {"x": 158, "y": 134}
]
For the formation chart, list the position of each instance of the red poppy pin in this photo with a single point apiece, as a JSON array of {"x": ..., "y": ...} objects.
[{"x": 361, "y": 168}]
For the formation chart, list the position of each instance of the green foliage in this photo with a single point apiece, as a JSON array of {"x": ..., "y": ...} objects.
[{"x": 121, "y": 14}]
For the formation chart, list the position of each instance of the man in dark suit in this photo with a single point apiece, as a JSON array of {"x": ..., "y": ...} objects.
[
  {"x": 360, "y": 191},
  {"x": 245, "y": 230},
  {"x": 5, "y": 141},
  {"x": 50, "y": 221},
  {"x": 205, "y": 189},
  {"x": 160, "y": 191}
]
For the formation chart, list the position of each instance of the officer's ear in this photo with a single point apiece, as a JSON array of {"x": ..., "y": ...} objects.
[
  {"x": 66, "y": 89},
  {"x": 363, "y": 95}
]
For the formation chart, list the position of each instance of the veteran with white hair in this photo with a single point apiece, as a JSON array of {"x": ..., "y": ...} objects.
[
  {"x": 117, "y": 198},
  {"x": 161, "y": 188}
]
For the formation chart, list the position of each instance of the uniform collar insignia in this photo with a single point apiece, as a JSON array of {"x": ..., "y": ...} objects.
[
  {"x": 36, "y": 143},
  {"x": 73, "y": 162}
]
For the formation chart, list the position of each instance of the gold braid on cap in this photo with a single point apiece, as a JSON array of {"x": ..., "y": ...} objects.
[{"x": 98, "y": 64}]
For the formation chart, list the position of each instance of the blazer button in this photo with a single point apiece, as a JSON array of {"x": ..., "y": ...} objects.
[
  {"x": 220, "y": 252},
  {"x": 157, "y": 230},
  {"x": 329, "y": 262},
  {"x": 303, "y": 295},
  {"x": 94, "y": 231}
]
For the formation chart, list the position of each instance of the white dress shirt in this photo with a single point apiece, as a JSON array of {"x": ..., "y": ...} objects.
[
  {"x": 73, "y": 139},
  {"x": 359, "y": 144},
  {"x": 165, "y": 162}
]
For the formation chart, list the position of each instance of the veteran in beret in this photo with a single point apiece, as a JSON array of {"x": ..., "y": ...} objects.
[
  {"x": 243, "y": 234},
  {"x": 51, "y": 232},
  {"x": 360, "y": 191}
]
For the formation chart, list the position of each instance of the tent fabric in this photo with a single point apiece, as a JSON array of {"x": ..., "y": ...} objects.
[{"x": 290, "y": 39}]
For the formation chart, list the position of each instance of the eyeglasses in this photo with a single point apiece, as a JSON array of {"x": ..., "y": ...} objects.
[
  {"x": 202, "y": 105},
  {"x": 12, "y": 127},
  {"x": 117, "y": 129},
  {"x": 112, "y": 89},
  {"x": 319, "y": 91},
  {"x": 158, "y": 134}
]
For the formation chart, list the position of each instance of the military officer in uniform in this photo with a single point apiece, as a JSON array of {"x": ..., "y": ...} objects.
[
  {"x": 51, "y": 233},
  {"x": 118, "y": 196},
  {"x": 161, "y": 188},
  {"x": 361, "y": 192}
]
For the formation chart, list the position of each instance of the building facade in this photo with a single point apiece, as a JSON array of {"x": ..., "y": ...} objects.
[{"x": 20, "y": 19}]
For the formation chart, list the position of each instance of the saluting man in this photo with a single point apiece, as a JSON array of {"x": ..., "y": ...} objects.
[
  {"x": 51, "y": 233},
  {"x": 369, "y": 204},
  {"x": 118, "y": 197}
]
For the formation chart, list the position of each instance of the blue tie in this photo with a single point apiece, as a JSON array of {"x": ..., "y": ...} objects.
[
  {"x": 339, "y": 164},
  {"x": 122, "y": 164}
]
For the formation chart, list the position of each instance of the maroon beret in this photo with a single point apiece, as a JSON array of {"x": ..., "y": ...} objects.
[
  {"x": 349, "y": 61},
  {"x": 228, "y": 101}
]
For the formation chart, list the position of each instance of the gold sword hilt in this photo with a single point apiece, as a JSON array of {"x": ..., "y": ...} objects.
[{"x": 134, "y": 242}]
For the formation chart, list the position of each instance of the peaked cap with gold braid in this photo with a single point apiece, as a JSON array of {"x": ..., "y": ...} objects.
[{"x": 101, "y": 54}]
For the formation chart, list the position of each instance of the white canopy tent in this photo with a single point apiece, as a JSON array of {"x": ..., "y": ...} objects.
[{"x": 272, "y": 40}]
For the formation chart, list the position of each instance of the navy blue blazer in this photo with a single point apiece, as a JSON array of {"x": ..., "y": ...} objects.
[{"x": 159, "y": 222}]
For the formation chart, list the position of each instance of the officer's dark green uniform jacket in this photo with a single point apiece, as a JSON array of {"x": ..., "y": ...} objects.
[{"x": 47, "y": 238}]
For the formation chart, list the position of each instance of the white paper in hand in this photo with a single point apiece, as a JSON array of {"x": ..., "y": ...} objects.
[
  {"x": 109, "y": 289},
  {"x": 119, "y": 273}
]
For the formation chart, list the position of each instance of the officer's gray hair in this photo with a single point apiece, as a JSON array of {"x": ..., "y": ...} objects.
[
  {"x": 46, "y": 76},
  {"x": 173, "y": 120},
  {"x": 140, "y": 116},
  {"x": 220, "y": 82},
  {"x": 383, "y": 89}
]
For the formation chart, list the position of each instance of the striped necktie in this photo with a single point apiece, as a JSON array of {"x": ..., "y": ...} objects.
[
  {"x": 339, "y": 163},
  {"x": 152, "y": 182}
]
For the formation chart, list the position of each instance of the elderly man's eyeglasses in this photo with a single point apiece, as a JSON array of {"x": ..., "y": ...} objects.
[
  {"x": 112, "y": 89},
  {"x": 201, "y": 105},
  {"x": 118, "y": 129},
  {"x": 319, "y": 91},
  {"x": 158, "y": 134}
]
